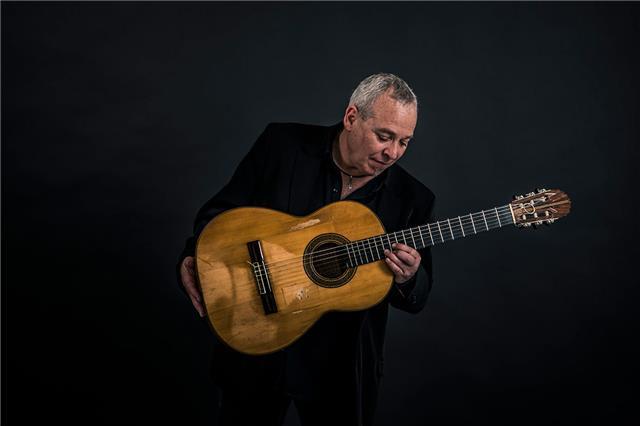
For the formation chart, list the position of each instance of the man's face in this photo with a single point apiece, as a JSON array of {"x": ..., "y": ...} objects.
[{"x": 376, "y": 143}]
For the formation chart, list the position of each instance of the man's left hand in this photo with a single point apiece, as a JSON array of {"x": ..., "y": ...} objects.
[{"x": 403, "y": 262}]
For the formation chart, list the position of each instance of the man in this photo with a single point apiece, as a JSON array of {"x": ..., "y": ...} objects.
[{"x": 332, "y": 372}]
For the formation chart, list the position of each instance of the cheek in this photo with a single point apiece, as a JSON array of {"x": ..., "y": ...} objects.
[{"x": 373, "y": 148}]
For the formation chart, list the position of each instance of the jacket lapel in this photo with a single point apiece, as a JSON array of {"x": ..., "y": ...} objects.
[{"x": 307, "y": 177}]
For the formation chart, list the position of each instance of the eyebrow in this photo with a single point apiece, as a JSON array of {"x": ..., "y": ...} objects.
[{"x": 392, "y": 133}]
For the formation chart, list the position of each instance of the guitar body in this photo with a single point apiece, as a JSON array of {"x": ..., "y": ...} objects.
[{"x": 304, "y": 286}]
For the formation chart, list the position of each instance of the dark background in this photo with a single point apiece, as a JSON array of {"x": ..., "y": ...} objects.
[{"x": 120, "y": 120}]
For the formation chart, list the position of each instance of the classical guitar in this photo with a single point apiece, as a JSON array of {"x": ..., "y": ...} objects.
[{"x": 267, "y": 277}]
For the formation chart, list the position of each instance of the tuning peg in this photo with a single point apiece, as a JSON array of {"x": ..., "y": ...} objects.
[
  {"x": 518, "y": 197},
  {"x": 541, "y": 190},
  {"x": 529, "y": 194}
]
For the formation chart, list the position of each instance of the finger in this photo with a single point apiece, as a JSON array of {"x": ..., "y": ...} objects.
[
  {"x": 406, "y": 258},
  {"x": 198, "y": 306},
  {"x": 391, "y": 255},
  {"x": 406, "y": 249},
  {"x": 188, "y": 280},
  {"x": 397, "y": 270},
  {"x": 402, "y": 262},
  {"x": 403, "y": 268},
  {"x": 193, "y": 290},
  {"x": 189, "y": 264},
  {"x": 408, "y": 254}
]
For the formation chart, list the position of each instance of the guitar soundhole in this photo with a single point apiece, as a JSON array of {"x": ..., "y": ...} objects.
[{"x": 326, "y": 261}]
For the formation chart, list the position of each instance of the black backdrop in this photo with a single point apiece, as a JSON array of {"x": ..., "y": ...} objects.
[{"x": 120, "y": 120}]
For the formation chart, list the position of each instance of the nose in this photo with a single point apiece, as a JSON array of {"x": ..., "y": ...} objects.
[{"x": 391, "y": 152}]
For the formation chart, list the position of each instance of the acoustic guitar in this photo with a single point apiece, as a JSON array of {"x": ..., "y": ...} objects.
[{"x": 266, "y": 276}]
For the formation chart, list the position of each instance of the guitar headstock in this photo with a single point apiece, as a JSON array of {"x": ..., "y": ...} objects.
[{"x": 544, "y": 206}]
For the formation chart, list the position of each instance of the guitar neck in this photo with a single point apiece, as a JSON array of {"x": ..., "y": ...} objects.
[{"x": 372, "y": 249}]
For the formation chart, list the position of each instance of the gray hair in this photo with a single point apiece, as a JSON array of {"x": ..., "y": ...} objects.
[{"x": 375, "y": 85}]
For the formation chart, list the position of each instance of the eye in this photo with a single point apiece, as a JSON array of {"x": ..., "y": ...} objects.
[
  {"x": 404, "y": 144},
  {"x": 383, "y": 138}
]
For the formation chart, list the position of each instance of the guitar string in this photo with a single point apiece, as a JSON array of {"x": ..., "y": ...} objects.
[
  {"x": 286, "y": 277},
  {"x": 368, "y": 245},
  {"x": 364, "y": 245},
  {"x": 290, "y": 278},
  {"x": 503, "y": 211},
  {"x": 419, "y": 231}
]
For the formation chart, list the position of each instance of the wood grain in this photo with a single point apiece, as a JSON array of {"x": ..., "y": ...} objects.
[{"x": 230, "y": 293}]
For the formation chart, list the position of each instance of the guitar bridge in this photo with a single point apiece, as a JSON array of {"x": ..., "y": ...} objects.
[{"x": 261, "y": 276}]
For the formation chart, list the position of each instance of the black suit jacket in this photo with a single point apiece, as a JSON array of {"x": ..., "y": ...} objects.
[{"x": 342, "y": 355}]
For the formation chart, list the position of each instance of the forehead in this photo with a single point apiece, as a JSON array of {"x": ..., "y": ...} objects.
[{"x": 393, "y": 115}]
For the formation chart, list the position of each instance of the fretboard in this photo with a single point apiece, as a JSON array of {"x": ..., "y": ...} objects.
[{"x": 372, "y": 249}]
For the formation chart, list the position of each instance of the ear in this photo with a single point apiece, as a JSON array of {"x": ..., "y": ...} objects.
[{"x": 350, "y": 116}]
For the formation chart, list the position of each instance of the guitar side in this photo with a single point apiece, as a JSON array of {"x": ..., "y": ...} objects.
[{"x": 229, "y": 289}]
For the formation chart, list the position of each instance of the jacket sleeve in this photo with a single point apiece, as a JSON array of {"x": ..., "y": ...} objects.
[
  {"x": 238, "y": 192},
  {"x": 411, "y": 296}
]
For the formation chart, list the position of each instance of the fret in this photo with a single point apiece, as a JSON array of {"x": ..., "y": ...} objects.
[
  {"x": 421, "y": 239},
  {"x": 349, "y": 254},
  {"x": 360, "y": 251},
  {"x": 508, "y": 215},
  {"x": 512, "y": 216},
  {"x": 430, "y": 236},
  {"x": 370, "y": 250},
  {"x": 353, "y": 255},
  {"x": 375, "y": 245},
  {"x": 371, "y": 243},
  {"x": 485, "y": 220}
]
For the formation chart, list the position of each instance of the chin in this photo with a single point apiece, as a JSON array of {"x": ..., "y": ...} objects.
[{"x": 376, "y": 168}]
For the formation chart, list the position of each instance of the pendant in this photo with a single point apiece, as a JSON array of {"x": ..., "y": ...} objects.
[{"x": 349, "y": 184}]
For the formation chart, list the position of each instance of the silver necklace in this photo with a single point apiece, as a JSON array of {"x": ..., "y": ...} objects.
[{"x": 350, "y": 183}]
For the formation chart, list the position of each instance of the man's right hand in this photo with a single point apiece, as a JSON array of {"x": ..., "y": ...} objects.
[{"x": 188, "y": 275}]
